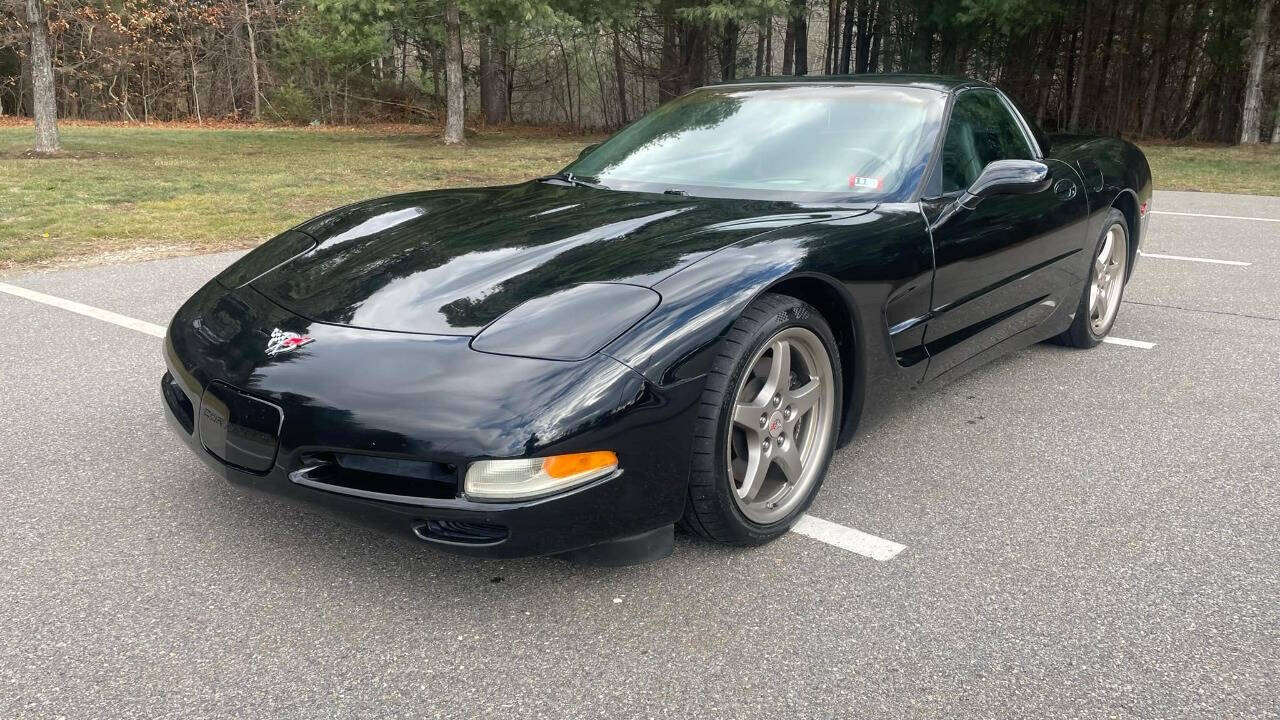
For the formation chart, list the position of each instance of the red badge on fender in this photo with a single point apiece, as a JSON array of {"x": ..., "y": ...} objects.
[{"x": 282, "y": 341}]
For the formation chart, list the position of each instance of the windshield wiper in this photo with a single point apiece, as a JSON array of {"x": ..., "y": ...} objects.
[{"x": 573, "y": 180}]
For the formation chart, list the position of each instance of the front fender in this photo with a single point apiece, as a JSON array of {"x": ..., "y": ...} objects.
[{"x": 880, "y": 265}]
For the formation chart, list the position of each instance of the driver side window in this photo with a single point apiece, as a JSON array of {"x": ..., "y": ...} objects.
[{"x": 981, "y": 130}]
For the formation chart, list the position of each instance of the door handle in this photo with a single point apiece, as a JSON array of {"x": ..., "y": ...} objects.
[{"x": 1065, "y": 189}]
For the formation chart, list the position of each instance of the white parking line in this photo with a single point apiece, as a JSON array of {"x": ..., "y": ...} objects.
[
  {"x": 87, "y": 310},
  {"x": 1129, "y": 343},
  {"x": 1193, "y": 259},
  {"x": 1219, "y": 217},
  {"x": 845, "y": 538}
]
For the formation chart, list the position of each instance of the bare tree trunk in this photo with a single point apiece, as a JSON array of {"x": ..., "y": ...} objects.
[
  {"x": 1129, "y": 75},
  {"x": 404, "y": 58},
  {"x": 568, "y": 82},
  {"x": 507, "y": 58},
  {"x": 830, "y": 58},
  {"x": 920, "y": 57},
  {"x": 643, "y": 105},
  {"x": 729, "y": 51},
  {"x": 604, "y": 93},
  {"x": 862, "y": 42},
  {"x": 693, "y": 55},
  {"x": 877, "y": 37},
  {"x": 763, "y": 30},
  {"x": 453, "y": 130},
  {"x": 620, "y": 76},
  {"x": 195, "y": 87},
  {"x": 1157, "y": 66},
  {"x": 789, "y": 46},
  {"x": 578, "y": 76},
  {"x": 846, "y": 39},
  {"x": 669, "y": 82},
  {"x": 949, "y": 56},
  {"x": 1077, "y": 94},
  {"x": 45, "y": 106},
  {"x": 1191, "y": 68},
  {"x": 1108, "y": 51},
  {"x": 493, "y": 77},
  {"x": 1251, "y": 124},
  {"x": 498, "y": 56},
  {"x": 1275, "y": 129},
  {"x": 801, "y": 64},
  {"x": 253, "y": 62},
  {"x": 486, "y": 75},
  {"x": 768, "y": 47}
]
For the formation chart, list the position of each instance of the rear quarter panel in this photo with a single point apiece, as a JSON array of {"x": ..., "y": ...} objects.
[{"x": 1110, "y": 168}]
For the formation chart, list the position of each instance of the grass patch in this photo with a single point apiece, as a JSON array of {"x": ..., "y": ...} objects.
[
  {"x": 180, "y": 190},
  {"x": 1241, "y": 169},
  {"x": 130, "y": 192}
]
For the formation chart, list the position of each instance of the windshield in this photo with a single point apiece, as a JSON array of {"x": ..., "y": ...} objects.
[{"x": 803, "y": 143}]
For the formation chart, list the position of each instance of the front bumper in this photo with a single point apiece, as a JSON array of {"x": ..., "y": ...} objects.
[
  {"x": 580, "y": 518},
  {"x": 392, "y": 411}
]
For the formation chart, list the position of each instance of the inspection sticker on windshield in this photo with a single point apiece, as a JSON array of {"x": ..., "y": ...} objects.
[{"x": 863, "y": 182}]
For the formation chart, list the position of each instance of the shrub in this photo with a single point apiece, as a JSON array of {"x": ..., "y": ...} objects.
[{"x": 291, "y": 105}]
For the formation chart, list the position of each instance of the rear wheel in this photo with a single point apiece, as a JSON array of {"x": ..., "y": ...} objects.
[
  {"x": 1100, "y": 302},
  {"x": 768, "y": 424}
]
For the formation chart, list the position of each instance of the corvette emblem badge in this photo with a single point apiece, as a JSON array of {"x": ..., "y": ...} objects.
[
  {"x": 282, "y": 341},
  {"x": 775, "y": 424}
]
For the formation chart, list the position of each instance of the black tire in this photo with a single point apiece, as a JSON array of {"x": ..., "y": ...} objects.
[
  {"x": 711, "y": 510},
  {"x": 1081, "y": 333}
]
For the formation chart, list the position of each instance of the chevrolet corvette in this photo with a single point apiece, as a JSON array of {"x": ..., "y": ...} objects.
[{"x": 679, "y": 328}]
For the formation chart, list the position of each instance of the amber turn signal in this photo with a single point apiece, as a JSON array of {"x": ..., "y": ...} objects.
[{"x": 565, "y": 466}]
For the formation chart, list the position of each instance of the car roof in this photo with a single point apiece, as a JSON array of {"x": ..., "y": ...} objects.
[{"x": 940, "y": 83}]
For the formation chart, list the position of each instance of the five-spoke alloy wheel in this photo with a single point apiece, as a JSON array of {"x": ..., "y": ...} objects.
[
  {"x": 771, "y": 414},
  {"x": 1100, "y": 302},
  {"x": 1108, "y": 280},
  {"x": 782, "y": 420}
]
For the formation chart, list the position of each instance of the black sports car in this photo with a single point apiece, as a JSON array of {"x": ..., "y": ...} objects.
[{"x": 680, "y": 327}]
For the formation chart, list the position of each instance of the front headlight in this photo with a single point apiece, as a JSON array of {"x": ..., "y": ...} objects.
[
  {"x": 572, "y": 324},
  {"x": 526, "y": 478}
]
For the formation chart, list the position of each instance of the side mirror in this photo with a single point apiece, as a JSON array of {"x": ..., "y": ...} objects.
[
  {"x": 1009, "y": 177},
  {"x": 587, "y": 149},
  {"x": 999, "y": 177}
]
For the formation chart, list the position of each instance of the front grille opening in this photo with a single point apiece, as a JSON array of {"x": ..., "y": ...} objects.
[
  {"x": 178, "y": 402},
  {"x": 460, "y": 532},
  {"x": 365, "y": 474}
]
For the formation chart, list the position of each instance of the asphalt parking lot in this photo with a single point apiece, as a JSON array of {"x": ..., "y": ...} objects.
[{"x": 1087, "y": 534}]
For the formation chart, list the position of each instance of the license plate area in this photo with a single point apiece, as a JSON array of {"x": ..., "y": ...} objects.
[{"x": 238, "y": 428}]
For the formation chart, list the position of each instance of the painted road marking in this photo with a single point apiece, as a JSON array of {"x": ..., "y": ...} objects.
[
  {"x": 1193, "y": 259},
  {"x": 1129, "y": 343},
  {"x": 124, "y": 321},
  {"x": 846, "y": 538},
  {"x": 1219, "y": 217}
]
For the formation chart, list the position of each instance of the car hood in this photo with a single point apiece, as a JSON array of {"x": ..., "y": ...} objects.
[{"x": 450, "y": 262}]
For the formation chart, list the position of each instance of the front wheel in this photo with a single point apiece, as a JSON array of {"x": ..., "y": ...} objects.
[
  {"x": 1100, "y": 302},
  {"x": 768, "y": 427}
]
